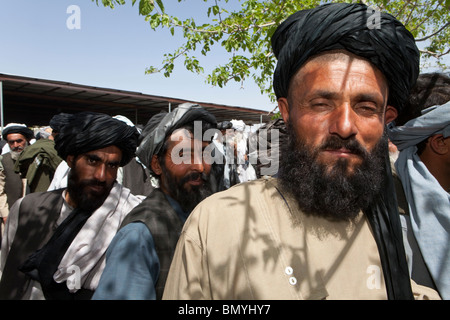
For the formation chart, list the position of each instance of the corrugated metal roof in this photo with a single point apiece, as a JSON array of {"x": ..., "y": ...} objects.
[{"x": 34, "y": 101}]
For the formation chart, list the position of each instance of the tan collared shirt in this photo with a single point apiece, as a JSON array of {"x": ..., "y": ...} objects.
[{"x": 252, "y": 242}]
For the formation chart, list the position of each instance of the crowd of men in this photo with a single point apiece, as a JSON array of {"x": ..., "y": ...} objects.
[{"x": 359, "y": 207}]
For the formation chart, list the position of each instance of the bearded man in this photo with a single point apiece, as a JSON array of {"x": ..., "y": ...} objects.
[
  {"x": 326, "y": 227},
  {"x": 172, "y": 148},
  {"x": 18, "y": 137},
  {"x": 55, "y": 242}
]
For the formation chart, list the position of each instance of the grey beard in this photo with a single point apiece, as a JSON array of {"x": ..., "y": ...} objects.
[
  {"x": 331, "y": 193},
  {"x": 15, "y": 155}
]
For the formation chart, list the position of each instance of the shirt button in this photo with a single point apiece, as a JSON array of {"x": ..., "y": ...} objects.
[
  {"x": 289, "y": 270},
  {"x": 293, "y": 281}
]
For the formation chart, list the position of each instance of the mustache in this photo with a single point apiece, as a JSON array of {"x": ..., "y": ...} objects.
[
  {"x": 335, "y": 143},
  {"x": 92, "y": 182},
  {"x": 194, "y": 176}
]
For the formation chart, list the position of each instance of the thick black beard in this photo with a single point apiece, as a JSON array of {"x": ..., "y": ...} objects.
[
  {"x": 331, "y": 193},
  {"x": 187, "y": 199},
  {"x": 83, "y": 199}
]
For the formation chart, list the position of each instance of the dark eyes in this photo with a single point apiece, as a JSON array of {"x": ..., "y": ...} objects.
[
  {"x": 94, "y": 162},
  {"x": 363, "y": 108},
  {"x": 188, "y": 154},
  {"x": 367, "y": 109}
]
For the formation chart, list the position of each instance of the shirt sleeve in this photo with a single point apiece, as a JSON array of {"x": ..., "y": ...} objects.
[
  {"x": 186, "y": 279},
  {"x": 132, "y": 266}
]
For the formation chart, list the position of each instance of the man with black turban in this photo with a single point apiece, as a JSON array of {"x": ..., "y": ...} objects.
[
  {"x": 326, "y": 227},
  {"x": 175, "y": 147},
  {"x": 57, "y": 122},
  {"x": 55, "y": 242}
]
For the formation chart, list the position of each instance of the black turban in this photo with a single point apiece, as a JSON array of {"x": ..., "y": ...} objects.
[
  {"x": 58, "y": 121},
  {"x": 17, "y": 128},
  {"x": 87, "y": 131},
  {"x": 162, "y": 125},
  {"x": 341, "y": 26}
]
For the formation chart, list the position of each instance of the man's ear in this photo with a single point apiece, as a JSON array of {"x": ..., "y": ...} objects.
[
  {"x": 439, "y": 144},
  {"x": 390, "y": 115},
  {"x": 156, "y": 166},
  {"x": 283, "y": 106},
  {"x": 69, "y": 160}
]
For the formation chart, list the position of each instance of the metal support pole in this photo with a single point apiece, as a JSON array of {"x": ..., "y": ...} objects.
[
  {"x": 1, "y": 106},
  {"x": 170, "y": 107}
]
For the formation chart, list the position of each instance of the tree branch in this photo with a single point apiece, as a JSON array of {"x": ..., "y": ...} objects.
[
  {"x": 425, "y": 19},
  {"x": 433, "y": 34},
  {"x": 410, "y": 13},
  {"x": 403, "y": 8},
  {"x": 435, "y": 54}
]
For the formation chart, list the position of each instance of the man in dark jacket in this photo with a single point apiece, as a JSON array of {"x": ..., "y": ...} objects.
[
  {"x": 18, "y": 137},
  {"x": 37, "y": 164},
  {"x": 55, "y": 242},
  {"x": 139, "y": 256}
]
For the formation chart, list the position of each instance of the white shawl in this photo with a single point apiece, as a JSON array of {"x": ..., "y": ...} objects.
[{"x": 84, "y": 260}]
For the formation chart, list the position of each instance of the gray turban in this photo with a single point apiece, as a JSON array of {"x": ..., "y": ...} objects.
[
  {"x": 160, "y": 126},
  {"x": 341, "y": 26},
  {"x": 87, "y": 131},
  {"x": 434, "y": 120}
]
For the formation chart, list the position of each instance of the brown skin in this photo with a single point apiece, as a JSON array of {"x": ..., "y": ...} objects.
[
  {"x": 16, "y": 141},
  {"x": 338, "y": 94},
  {"x": 183, "y": 157},
  {"x": 436, "y": 157},
  {"x": 100, "y": 165}
]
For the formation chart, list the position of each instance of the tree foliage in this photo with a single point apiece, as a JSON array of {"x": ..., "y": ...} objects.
[{"x": 245, "y": 34}]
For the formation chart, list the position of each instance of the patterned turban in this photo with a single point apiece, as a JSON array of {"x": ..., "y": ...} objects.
[{"x": 162, "y": 125}]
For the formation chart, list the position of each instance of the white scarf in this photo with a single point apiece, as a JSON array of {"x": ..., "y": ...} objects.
[{"x": 84, "y": 260}]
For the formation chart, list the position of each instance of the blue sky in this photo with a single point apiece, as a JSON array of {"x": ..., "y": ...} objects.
[{"x": 111, "y": 49}]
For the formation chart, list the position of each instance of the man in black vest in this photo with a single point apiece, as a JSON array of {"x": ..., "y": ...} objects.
[
  {"x": 18, "y": 137},
  {"x": 139, "y": 256},
  {"x": 55, "y": 242}
]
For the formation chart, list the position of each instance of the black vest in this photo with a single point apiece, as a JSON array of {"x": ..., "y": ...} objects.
[
  {"x": 164, "y": 225},
  {"x": 38, "y": 214}
]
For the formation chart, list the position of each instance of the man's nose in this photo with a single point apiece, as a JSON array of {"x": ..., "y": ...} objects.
[
  {"x": 100, "y": 172},
  {"x": 16, "y": 145},
  {"x": 198, "y": 163},
  {"x": 343, "y": 122}
]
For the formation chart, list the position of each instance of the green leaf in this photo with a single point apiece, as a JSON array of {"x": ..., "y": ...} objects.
[
  {"x": 146, "y": 7},
  {"x": 160, "y": 5},
  {"x": 245, "y": 34}
]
